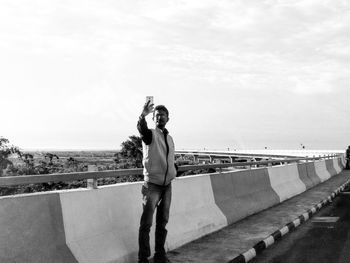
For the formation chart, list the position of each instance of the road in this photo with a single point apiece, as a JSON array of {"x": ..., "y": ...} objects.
[{"x": 325, "y": 238}]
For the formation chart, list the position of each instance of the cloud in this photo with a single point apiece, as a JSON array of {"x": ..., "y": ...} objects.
[
  {"x": 70, "y": 54},
  {"x": 250, "y": 44},
  {"x": 300, "y": 46}
]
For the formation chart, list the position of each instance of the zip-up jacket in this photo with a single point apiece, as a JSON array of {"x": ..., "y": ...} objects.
[{"x": 158, "y": 154}]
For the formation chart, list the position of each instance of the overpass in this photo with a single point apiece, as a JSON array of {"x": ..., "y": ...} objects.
[
  {"x": 252, "y": 155},
  {"x": 100, "y": 223}
]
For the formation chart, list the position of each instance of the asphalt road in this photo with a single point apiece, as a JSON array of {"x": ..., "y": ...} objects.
[{"x": 325, "y": 238}]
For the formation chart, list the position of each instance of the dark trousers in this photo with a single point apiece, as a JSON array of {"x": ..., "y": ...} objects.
[
  {"x": 154, "y": 196},
  {"x": 347, "y": 164}
]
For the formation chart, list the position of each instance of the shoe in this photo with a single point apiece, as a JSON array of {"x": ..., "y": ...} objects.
[
  {"x": 163, "y": 259},
  {"x": 143, "y": 261}
]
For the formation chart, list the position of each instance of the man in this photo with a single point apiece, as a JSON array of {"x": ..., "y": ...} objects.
[
  {"x": 347, "y": 157},
  {"x": 159, "y": 170}
]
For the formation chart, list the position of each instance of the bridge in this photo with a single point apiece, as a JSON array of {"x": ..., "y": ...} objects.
[
  {"x": 100, "y": 223},
  {"x": 252, "y": 155}
]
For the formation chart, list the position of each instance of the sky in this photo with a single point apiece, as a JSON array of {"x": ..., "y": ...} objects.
[{"x": 234, "y": 74}]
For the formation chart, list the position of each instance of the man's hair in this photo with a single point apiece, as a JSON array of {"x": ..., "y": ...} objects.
[{"x": 161, "y": 108}]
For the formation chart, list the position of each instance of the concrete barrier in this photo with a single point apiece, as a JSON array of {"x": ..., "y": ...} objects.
[
  {"x": 321, "y": 170},
  {"x": 337, "y": 165},
  {"x": 342, "y": 161},
  {"x": 304, "y": 176},
  {"x": 285, "y": 181},
  {"x": 32, "y": 229},
  {"x": 240, "y": 194},
  {"x": 330, "y": 167},
  {"x": 193, "y": 212},
  {"x": 101, "y": 225},
  {"x": 311, "y": 173}
]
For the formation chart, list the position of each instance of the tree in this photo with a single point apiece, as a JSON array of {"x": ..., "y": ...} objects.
[
  {"x": 132, "y": 149},
  {"x": 50, "y": 156},
  {"x": 6, "y": 150},
  {"x": 28, "y": 159}
]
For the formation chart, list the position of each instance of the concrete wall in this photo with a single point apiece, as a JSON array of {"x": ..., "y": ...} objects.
[
  {"x": 101, "y": 225},
  {"x": 285, "y": 181},
  {"x": 194, "y": 212},
  {"x": 240, "y": 194},
  {"x": 32, "y": 229},
  {"x": 321, "y": 170}
]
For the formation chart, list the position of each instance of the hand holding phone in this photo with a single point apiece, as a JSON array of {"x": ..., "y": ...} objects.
[
  {"x": 149, "y": 99},
  {"x": 148, "y": 107}
]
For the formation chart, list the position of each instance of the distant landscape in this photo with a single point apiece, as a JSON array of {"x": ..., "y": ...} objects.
[
  {"x": 41, "y": 162},
  {"x": 16, "y": 162}
]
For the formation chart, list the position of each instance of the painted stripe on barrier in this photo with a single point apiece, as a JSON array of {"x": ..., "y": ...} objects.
[
  {"x": 260, "y": 246},
  {"x": 284, "y": 230},
  {"x": 296, "y": 222},
  {"x": 269, "y": 241},
  {"x": 306, "y": 216},
  {"x": 250, "y": 254},
  {"x": 276, "y": 235}
]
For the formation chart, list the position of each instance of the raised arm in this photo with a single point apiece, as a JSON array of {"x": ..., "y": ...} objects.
[{"x": 145, "y": 133}]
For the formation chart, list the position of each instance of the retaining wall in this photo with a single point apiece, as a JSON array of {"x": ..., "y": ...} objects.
[{"x": 101, "y": 225}]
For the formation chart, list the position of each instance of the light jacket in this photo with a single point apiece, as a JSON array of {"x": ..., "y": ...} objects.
[{"x": 159, "y": 158}]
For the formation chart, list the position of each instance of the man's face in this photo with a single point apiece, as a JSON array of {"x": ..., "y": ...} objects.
[{"x": 160, "y": 118}]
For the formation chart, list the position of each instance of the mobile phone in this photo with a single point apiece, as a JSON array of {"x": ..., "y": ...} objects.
[{"x": 149, "y": 98}]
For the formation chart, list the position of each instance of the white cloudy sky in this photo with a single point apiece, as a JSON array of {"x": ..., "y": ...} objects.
[{"x": 241, "y": 74}]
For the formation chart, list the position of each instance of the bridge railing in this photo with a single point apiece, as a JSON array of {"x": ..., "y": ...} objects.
[{"x": 92, "y": 176}]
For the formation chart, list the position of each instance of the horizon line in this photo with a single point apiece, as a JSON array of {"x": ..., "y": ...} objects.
[{"x": 179, "y": 149}]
